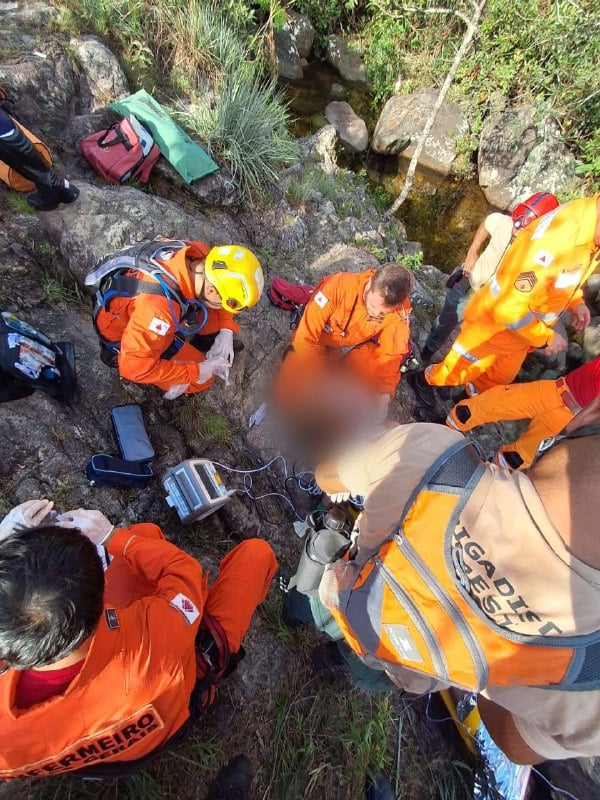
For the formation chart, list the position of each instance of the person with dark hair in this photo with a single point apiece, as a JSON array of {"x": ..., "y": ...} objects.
[
  {"x": 112, "y": 667},
  {"x": 357, "y": 323},
  {"x": 18, "y": 153}
]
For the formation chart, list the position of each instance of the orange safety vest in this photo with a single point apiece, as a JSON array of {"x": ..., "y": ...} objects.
[
  {"x": 408, "y": 606},
  {"x": 541, "y": 274}
]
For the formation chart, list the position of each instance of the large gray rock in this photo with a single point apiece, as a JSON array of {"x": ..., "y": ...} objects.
[
  {"x": 521, "y": 153},
  {"x": 303, "y": 33},
  {"x": 591, "y": 339},
  {"x": 106, "y": 219},
  {"x": 286, "y": 54},
  {"x": 101, "y": 78},
  {"x": 342, "y": 258},
  {"x": 342, "y": 55},
  {"x": 321, "y": 147},
  {"x": 402, "y": 121},
  {"x": 351, "y": 129}
]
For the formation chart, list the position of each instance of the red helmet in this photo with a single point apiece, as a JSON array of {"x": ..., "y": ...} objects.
[{"x": 535, "y": 206}]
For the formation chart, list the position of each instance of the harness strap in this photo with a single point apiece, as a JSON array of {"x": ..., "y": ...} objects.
[{"x": 214, "y": 661}]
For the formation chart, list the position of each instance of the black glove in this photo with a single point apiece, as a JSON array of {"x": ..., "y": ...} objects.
[{"x": 454, "y": 277}]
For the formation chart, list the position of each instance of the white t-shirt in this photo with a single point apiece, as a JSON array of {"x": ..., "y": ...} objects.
[{"x": 499, "y": 226}]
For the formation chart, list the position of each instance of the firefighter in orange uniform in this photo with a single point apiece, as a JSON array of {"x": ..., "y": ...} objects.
[
  {"x": 151, "y": 298},
  {"x": 100, "y": 675},
  {"x": 463, "y": 574},
  {"x": 539, "y": 278},
  {"x": 357, "y": 323},
  {"x": 553, "y": 405}
]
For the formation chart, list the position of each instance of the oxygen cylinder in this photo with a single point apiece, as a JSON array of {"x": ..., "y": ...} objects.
[{"x": 322, "y": 545}]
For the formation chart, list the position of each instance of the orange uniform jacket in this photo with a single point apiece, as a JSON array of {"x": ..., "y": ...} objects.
[
  {"x": 336, "y": 317},
  {"x": 541, "y": 274},
  {"x": 133, "y": 690},
  {"x": 145, "y": 327}
]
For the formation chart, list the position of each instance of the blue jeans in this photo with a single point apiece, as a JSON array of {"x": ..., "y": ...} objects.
[
  {"x": 308, "y": 608},
  {"x": 448, "y": 319}
]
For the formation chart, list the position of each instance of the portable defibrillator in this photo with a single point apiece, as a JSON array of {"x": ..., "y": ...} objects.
[{"x": 194, "y": 489}]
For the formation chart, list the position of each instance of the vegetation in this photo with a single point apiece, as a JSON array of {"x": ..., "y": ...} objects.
[{"x": 187, "y": 54}]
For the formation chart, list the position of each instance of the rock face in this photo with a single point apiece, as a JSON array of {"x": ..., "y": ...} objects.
[
  {"x": 101, "y": 78},
  {"x": 351, "y": 129},
  {"x": 303, "y": 32},
  {"x": 402, "y": 120},
  {"x": 520, "y": 154},
  {"x": 286, "y": 54},
  {"x": 347, "y": 61}
]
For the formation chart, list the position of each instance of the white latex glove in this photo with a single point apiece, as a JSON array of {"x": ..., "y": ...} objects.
[
  {"x": 214, "y": 365},
  {"x": 175, "y": 391},
  {"x": 29, "y": 514},
  {"x": 222, "y": 346},
  {"x": 92, "y": 524},
  {"x": 339, "y": 497}
]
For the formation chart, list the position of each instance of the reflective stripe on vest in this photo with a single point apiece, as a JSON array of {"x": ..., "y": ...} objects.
[
  {"x": 464, "y": 353},
  {"x": 410, "y": 604}
]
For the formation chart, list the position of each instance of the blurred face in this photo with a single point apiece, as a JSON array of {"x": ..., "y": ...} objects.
[
  {"x": 204, "y": 289},
  {"x": 376, "y": 306}
]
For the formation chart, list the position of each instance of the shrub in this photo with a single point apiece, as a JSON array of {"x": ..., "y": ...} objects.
[{"x": 247, "y": 128}]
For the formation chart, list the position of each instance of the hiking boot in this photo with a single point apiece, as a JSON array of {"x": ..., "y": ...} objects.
[
  {"x": 421, "y": 414},
  {"x": 59, "y": 190},
  {"x": 326, "y": 656},
  {"x": 233, "y": 781},
  {"x": 422, "y": 391}
]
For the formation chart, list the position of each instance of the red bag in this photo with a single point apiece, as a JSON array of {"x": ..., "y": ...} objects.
[
  {"x": 117, "y": 154},
  {"x": 289, "y": 296}
]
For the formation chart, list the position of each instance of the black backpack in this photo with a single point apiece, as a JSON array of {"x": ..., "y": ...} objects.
[{"x": 29, "y": 360}]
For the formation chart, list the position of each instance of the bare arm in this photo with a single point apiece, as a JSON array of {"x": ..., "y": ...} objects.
[
  {"x": 502, "y": 729},
  {"x": 587, "y": 416},
  {"x": 473, "y": 252}
]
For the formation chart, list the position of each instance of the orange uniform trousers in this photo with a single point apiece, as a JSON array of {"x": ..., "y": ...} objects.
[
  {"x": 242, "y": 583},
  {"x": 482, "y": 360},
  {"x": 548, "y": 404}
]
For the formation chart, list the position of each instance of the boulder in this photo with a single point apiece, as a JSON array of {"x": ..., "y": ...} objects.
[
  {"x": 321, "y": 147},
  {"x": 101, "y": 78},
  {"x": 106, "y": 219},
  {"x": 303, "y": 33},
  {"x": 351, "y": 129},
  {"x": 342, "y": 258},
  {"x": 342, "y": 55},
  {"x": 521, "y": 152},
  {"x": 591, "y": 339},
  {"x": 402, "y": 121},
  {"x": 286, "y": 54}
]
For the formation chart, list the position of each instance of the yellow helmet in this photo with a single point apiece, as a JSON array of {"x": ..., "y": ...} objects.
[{"x": 236, "y": 274}]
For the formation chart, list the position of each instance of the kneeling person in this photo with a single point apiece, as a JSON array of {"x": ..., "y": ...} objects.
[
  {"x": 155, "y": 296},
  {"x": 110, "y": 684}
]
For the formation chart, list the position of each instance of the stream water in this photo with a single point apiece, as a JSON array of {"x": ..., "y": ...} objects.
[{"x": 440, "y": 213}]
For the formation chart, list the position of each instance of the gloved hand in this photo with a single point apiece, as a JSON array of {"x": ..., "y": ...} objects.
[
  {"x": 222, "y": 346},
  {"x": 92, "y": 524},
  {"x": 175, "y": 391},
  {"x": 29, "y": 514},
  {"x": 215, "y": 365}
]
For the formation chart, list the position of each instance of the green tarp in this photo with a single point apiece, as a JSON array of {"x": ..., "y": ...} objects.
[{"x": 188, "y": 158}]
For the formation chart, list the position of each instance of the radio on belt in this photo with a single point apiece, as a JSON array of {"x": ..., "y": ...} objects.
[{"x": 195, "y": 489}]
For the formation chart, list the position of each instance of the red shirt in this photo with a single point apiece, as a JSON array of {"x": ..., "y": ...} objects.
[
  {"x": 584, "y": 382},
  {"x": 37, "y": 685}
]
